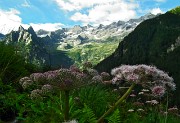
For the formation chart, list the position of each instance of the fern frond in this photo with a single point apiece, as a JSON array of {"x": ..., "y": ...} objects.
[
  {"x": 115, "y": 117},
  {"x": 87, "y": 115}
]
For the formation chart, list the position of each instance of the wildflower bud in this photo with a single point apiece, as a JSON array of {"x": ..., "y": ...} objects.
[
  {"x": 145, "y": 90},
  {"x": 37, "y": 77},
  {"x": 46, "y": 88},
  {"x": 173, "y": 110},
  {"x": 140, "y": 110},
  {"x": 73, "y": 68},
  {"x": 23, "y": 80},
  {"x": 92, "y": 72},
  {"x": 131, "y": 110},
  {"x": 154, "y": 102},
  {"x": 27, "y": 84},
  {"x": 132, "y": 95},
  {"x": 97, "y": 78},
  {"x": 36, "y": 94},
  {"x": 105, "y": 76},
  {"x": 140, "y": 93}
]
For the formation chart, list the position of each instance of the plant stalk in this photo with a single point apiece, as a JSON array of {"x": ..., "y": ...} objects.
[
  {"x": 116, "y": 104},
  {"x": 166, "y": 109},
  {"x": 66, "y": 110}
]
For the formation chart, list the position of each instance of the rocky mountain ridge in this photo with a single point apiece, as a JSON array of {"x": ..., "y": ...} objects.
[
  {"x": 84, "y": 34},
  {"x": 69, "y": 37}
]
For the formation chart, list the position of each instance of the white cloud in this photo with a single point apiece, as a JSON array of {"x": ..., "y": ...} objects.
[
  {"x": 106, "y": 12},
  {"x": 156, "y": 11},
  {"x": 71, "y": 5},
  {"x": 26, "y": 4},
  {"x": 46, "y": 26},
  {"x": 10, "y": 20},
  {"x": 10, "y": 16}
]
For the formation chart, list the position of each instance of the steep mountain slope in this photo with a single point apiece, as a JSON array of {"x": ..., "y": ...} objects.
[
  {"x": 155, "y": 42},
  {"x": 26, "y": 43},
  {"x": 34, "y": 49}
]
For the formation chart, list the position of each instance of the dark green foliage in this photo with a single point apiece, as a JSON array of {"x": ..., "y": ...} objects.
[
  {"x": 151, "y": 43},
  {"x": 12, "y": 66},
  {"x": 46, "y": 111},
  {"x": 176, "y": 10},
  {"x": 96, "y": 97},
  {"x": 11, "y": 102},
  {"x": 59, "y": 59}
]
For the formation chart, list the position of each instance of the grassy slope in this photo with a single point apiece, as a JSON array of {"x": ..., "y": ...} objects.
[{"x": 93, "y": 52}]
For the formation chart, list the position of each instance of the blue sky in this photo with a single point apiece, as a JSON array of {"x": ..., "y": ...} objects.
[{"x": 53, "y": 14}]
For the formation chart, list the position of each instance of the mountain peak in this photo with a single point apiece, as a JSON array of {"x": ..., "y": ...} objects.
[
  {"x": 100, "y": 26},
  {"x": 21, "y": 28},
  {"x": 31, "y": 30},
  {"x": 89, "y": 25}
]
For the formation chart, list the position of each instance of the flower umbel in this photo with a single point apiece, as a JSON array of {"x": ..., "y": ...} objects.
[{"x": 148, "y": 76}]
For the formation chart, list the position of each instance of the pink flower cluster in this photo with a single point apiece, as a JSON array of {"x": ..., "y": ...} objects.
[
  {"x": 63, "y": 79},
  {"x": 148, "y": 76}
]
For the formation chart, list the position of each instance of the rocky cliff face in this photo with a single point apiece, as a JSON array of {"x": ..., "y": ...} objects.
[{"x": 28, "y": 44}]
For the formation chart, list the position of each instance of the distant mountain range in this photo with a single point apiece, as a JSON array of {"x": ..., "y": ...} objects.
[
  {"x": 76, "y": 35},
  {"x": 40, "y": 47},
  {"x": 70, "y": 37},
  {"x": 154, "y": 42}
]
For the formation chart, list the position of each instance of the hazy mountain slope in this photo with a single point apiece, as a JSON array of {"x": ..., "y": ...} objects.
[{"x": 156, "y": 42}]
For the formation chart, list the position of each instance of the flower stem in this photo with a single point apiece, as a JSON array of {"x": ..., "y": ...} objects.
[
  {"x": 166, "y": 109},
  {"x": 66, "y": 111},
  {"x": 116, "y": 104}
]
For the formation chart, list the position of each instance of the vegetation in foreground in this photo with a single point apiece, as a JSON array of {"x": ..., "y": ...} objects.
[{"x": 86, "y": 101}]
